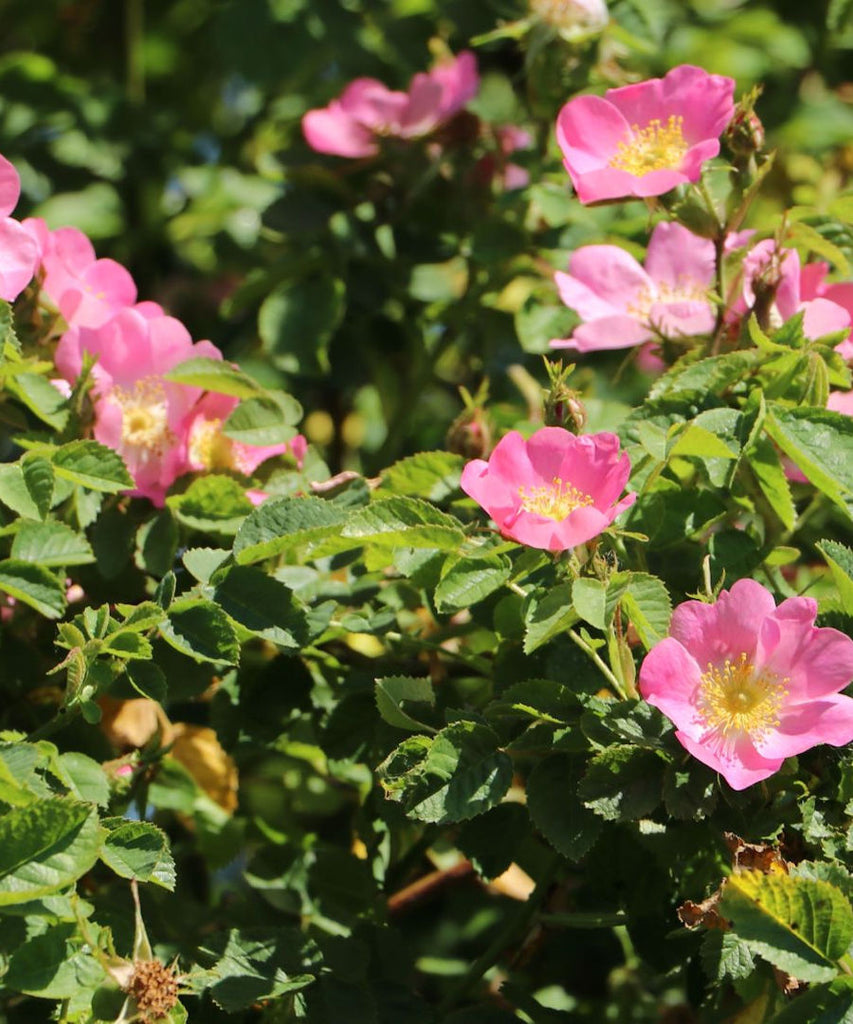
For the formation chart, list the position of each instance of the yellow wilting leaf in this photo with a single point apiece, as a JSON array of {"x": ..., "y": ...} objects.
[
  {"x": 132, "y": 723},
  {"x": 200, "y": 752}
]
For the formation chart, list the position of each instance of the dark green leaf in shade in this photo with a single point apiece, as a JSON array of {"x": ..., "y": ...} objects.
[
  {"x": 466, "y": 581},
  {"x": 391, "y": 694},
  {"x": 623, "y": 783},
  {"x": 556, "y": 810},
  {"x": 53, "y": 965},
  {"x": 259, "y": 963},
  {"x": 34, "y": 585},
  {"x": 285, "y": 523},
  {"x": 263, "y": 605},
  {"x": 491, "y": 840},
  {"x": 297, "y": 320},
  {"x": 201, "y": 630}
]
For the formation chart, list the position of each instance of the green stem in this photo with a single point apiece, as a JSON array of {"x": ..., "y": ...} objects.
[
  {"x": 134, "y": 38},
  {"x": 515, "y": 924},
  {"x": 599, "y": 661},
  {"x": 59, "y": 721}
]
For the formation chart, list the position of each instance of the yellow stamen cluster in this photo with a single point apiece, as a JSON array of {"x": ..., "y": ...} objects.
[
  {"x": 554, "y": 501},
  {"x": 209, "y": 447},
  {"x": 145, "y": 416},
  {"x": 657, "y": 147},
  {"x": 735, "y": 700},
  {"x": 685, "y": 289}
]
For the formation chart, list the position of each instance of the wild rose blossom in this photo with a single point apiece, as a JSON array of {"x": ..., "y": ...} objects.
[
  {"x": 748, "y": 683},
  {"x": 18, "y": 250},
  {"x": 367, "y": 110},
  {"x": 798, "y": 289},
  {"x": 554, "y": 490},
  {"x": 813, "y": 285},
  {"x": 138, "y": 413},
  {"x": 624, "y": 305},
  {"x": 86, "y": 290},
  {"x": 208, "y": 448},
  {"x": 644, "y": 139}
]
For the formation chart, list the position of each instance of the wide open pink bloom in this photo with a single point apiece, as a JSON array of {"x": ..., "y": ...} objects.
[
  {"x": 799, "y": 290},
  {"x": 553, "y": 491},
  {"x": 208, "y": 448},
  {"x": 86, "y": 290},
  {"x": 748, "y": 683},
  {"x": 813, "y": 285},
  {"x": 644, "y": 139},
  {"x": 138, "y": 413},
  {"x": 18, "y": 251},
  {"x": 367, "y": 110},
  {"x": 623, "y": 305}
]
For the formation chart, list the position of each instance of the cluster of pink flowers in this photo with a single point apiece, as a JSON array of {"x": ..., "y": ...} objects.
[
  {"x": 160, "y": 428},
  {"x": 367, "y": 111}
]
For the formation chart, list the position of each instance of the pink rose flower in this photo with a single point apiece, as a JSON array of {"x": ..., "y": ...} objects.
[
  {"x": 138, "y": 413},
  {"x": 623, "y": 305},
  {"x": 748, "y": 684},
  {"x": 644, "y": 139},
  {"x": 86, "y": 291},
  {"x": 367, "y": 110},
  {"x": 209, "y": 448},
  {"x": 796, "y": 291},
  {"x": 18, "y": 251},
  {"x": 813, "y": 286},
  {"x": 553, "y": 491}
]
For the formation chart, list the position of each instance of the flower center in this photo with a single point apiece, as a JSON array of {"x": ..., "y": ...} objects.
[
  {"x": 554, "y": 501},
  {"x": 145, "y": 416},
  {"x": 657, "y": 147},
  {"x": 685, "y": 289},
  {"x": 735, "y": 699},
  {"x": 209, "y": 447}
]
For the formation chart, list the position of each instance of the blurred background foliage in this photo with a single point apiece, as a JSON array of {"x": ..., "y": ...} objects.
[{"x": 169, "y": 130}]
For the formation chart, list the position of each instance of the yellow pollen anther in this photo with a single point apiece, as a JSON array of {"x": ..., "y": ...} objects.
[
  {"x": 734, "y": 699},
  {"x": 554, "y": 501},
  {"x": 144, "y": 416},
  {"x": 209, "y": 447},
  {"x": 657, "y": 147}
]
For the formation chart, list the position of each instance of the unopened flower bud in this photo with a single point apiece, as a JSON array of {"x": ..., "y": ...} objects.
[{"x": 470, "y": 434}]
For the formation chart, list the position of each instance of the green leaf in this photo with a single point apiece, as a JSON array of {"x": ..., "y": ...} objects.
[
  {"x": 840, "y": 561},
  {"x": 140, "y": 850},
  {"x": 462, "y": 774},
  {"x": 148, "y": 679},
  {"x": 34, "y": 585},
  {"x": 51, "y": 544},
  {"x": 725, "y": 956},
  {"x": 830, "y": 1003},
  {"x": 214, "y": 375},
  {"x": 645, "y": 601},
  {"x": 808, "y": 237},
  {"x": 709, "y": 376},
  {"x": 767, "y": 469},
  {"x": 156, "y": 544},
  {"x": 547, "y": 615},
  {"x": 53, "y": 965},
  {"x": 623, "y": 783},
  {"x": 820, "y": 443},
  {"x": 41, "y": 398},
  {"x": 263, "y": 605},
  {"x": 202, "y": 563},
  {"x": 276, "y": 526},
  {"x": 201, "y": 630},
  {"x": 540, "y": 699},
  {"x": 552, "y": 800},
  {"x": 45, "y": 847},
  {"x": 430, "y": 475},
  {"x": 439, "y": 282},
  {"x": 697, "y": 441},
  {"x": 404, "y": 522},
  {"x": 85, "y": 777},
  {"x": 266, "y": 420},
  {"x": 465, "y": 581},
  {"x": 27, "y": 487},
  {"x": 258, "y": 964},
  {"x": 92, "y": 465},
  {"x": 802, "y": 926},
  {"x": 392, "y": 691},
  {"x": 297, "y": 320},
  {"x": 588, "y": 599},
  {"x": 213, "y": 503},
  {"x": 838, "y": 14}
]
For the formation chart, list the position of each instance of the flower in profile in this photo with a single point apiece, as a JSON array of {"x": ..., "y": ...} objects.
[
  {"x": 18, "y": 250},
  {"x": 554, "y": 490},
  {"x": 86, "y": 291},
  {"x": 138, "y": 412},
  {"x": 777, "y": 286},
  {"x": 644, "y": 139},
  {"x": 368, "y": 110},
  {"x": 748, "y": 683},
  {"x": 623, "y": 305},
  {"x": 209, "y": 448}
]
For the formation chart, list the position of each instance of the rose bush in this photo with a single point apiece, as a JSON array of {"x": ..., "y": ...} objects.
[{"x": 354, "y": 664}]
